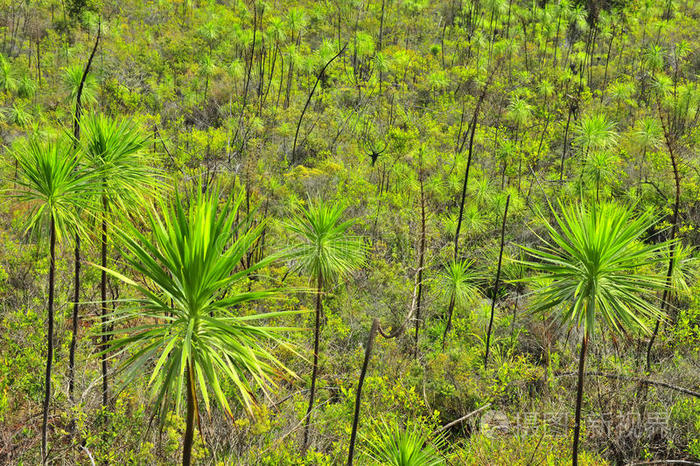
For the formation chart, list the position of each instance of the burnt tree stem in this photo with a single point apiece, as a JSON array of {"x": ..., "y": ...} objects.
[
  {"x": 308, "y": 100},
  {"x": 360, "y": 383},
  {"x": 495, "y": 288}
]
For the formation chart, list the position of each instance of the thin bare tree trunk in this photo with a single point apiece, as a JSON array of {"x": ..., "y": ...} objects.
[
  {"x": 674, "y": 230},
  {"x": 472, "y": 125},
  {"x": 421, "y": 260},
  {"x": 76, "y": 263},
  {"x": 308, "y": 100},
  {"x": 495, "y": 288},
  {"x": 360, "y": 383},
  {"x": 103, "y": 303}
]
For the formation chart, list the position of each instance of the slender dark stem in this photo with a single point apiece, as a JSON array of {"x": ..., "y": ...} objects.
[
  {"x": 49, "y": 341},
  {"x": 566, "y": 143},
  {"x": 74, "y": 336},
  {"x": 579, "y": 399},
  {"x": 421, "y": 260},
  {"x": 76, "y": 263},
  {"x": 78, "y": 107},
  {"x": 358, "y": 395},
  {"x": 495, "y": 287},
  {"x": 674, "y": 230},
  {"x": 308, "y": 100},
  {"x": 103, "y": 300},
  {"x": 314, "y": 372},
  {"x": 448, "y": 325},
  {"x": 472, "y": 125},
  {"x": 189, "y": 429}
]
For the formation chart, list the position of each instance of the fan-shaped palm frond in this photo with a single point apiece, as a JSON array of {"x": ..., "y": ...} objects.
[
  {"x": 686, "y": 269},
  {"x": 72, "y": 76},
  {"x": 595, "y": 258},
  {"x": 323, "y": 245},
  {"x": 112, "y": 147},
  {"x": 600, "y": 168},
  {"x": 595, "y": 132},
  {"x": 51, "y": 184},
  {"x": 8, "y": 77}
]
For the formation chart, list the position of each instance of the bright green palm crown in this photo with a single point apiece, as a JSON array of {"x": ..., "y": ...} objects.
[
  {"x": 404, "y": 447},
  {"x": 596, "y": 132},
  {"x": 458, "y": 281},
  {"x": 114, "y": 147},
  {"x": 189, "y": 315},
  {"x": 324, "y": 246},
  {"x": 51, "y": 183},
  {"x": 596, "y": 262}
]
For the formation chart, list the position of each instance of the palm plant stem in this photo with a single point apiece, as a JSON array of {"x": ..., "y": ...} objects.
[
  {"x": 308, "y": 100},
  {"x": 641, "y": 170},
  {"x": 674, "y": 230},
  {"x": 448, "y": 325},
  {"x": 189, "y": 429},
  {"x": 103, "y": 298},
  {"x": 422, "y": 257},
  {"x": 49, "y": 340},
  {"x": 563, "y": 152},
  {"x": 314, "y": 371},
  {"x": 579, "y": 399},
  {"x": 472, "y": 125},
  {"x": 76, "y": 299},
  {"x": 76, "y": 266}
]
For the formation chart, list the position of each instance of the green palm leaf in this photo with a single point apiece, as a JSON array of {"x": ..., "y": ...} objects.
[
  {"x": 597, "y": 262},
  {"x": 185, "y": 316},
  {"x": 404, "y": 447},
  {"x": 114, "y": 148},
  {"x": 52, "y": 185},
  {"x": 324, "y": 245}
]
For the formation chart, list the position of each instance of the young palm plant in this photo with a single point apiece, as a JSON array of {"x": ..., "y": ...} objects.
[
  {"x": 72, "y": 78},
  {"x": 113, "y": 148},
  {"x": 647, "y": 136},
  {"x": 596, "y": 265},
  {"x": 600, "y": 170},
  {"x": 519, "y": 112},
  {"x": 404, "y": 447},
  {"x": 326, "y": 251},
  {"x": 188, "y": 330},
  {"x": 458, "y": 283},
  {"x": 51, "y": 184},
  {"x": 594, "y": 133}
]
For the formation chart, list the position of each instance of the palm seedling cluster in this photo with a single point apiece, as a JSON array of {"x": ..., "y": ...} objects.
[{"x": 458, "y": 282}]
